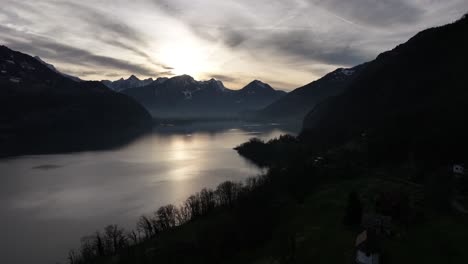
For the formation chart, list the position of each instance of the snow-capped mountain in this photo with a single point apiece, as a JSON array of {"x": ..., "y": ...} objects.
[
  {"x": 184, "y": 97},
  {"x": 122, "y": 84}
]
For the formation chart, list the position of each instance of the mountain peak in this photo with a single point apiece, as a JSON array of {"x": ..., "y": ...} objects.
[
  {"x": 261, "y": 84},
  {"x": 185, "y": 76},
  {"x": 133, "y": 77},
  {"x": 257, "y": 85}
]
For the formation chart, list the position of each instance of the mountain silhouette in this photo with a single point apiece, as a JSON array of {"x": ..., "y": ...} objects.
[
  {"x": 297, "y": 103},
  {"x": 411, "y": 99},
  {"x": 184, "y": 97},
  {"x": 122, "y": 84},
  {"x": 44, "y": 111}
]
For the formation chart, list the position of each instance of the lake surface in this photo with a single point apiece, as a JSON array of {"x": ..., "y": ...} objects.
[{"x": 48, "y": 202}]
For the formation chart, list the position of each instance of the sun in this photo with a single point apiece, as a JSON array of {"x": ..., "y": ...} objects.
[{"x": 184, "y": 59}]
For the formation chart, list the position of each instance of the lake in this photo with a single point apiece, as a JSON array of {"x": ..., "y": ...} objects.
[{"x": 48, "y": 202}]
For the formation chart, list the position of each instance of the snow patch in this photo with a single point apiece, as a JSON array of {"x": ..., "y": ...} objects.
[
  {"x": 187, "y": 94},
  {"x": 347, "y": 72},
  {"x": 26, "y": 65},
  {"x": 15, "y": 80}
]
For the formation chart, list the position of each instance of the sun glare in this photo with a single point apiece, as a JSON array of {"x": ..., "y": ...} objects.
[{"x": 184, "y": 59}]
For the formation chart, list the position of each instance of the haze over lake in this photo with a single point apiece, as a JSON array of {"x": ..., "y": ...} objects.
[{"x": 49, "y": 201}]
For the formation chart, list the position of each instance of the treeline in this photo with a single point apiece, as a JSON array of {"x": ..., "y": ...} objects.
[
  {"x": 115, "y": 240},
  {"x": 275, "y": 152}
]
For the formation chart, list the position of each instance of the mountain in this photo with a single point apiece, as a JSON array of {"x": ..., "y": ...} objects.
[
  {"x": 123, "y": 84},
  {"x": 296, "y": 104},
  {"x": 42, "y": 111},
  {"x": 52, "y": 67},
  {"x": 256, "y": 95},
  {"x": 184, "y": 97},
  {"x": 412, "y": 99}
]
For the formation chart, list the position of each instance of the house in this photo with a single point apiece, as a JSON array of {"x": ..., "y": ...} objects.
[
  {"x": 458, "y": 170},
  {"x": 367, "y": 248}
]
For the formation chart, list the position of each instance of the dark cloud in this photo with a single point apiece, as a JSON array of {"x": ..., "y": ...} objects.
[
  {"x": 166, "y": 73},
  {"x": 380, "y": 13},
  {"x": 279, "y": 85},
  {"x": 112, "y": 31},
  {"x": 168, "y": 67},
  {"x": 139, "y": 52},
  {"x": 170, "y": 7},
  {"x": 297, "y": 44},
  {"x": 113, "y": 75},
  {"x": 301, "y": 44},
  {"x": 233, "y": 38},
  {"x": 224, "y": 78},
  {"x": 103, "y": 24},
  {"x": 238, "y": 31},
  {"x": 108, "y": 29},
  {"x": 50, "y": 49}
]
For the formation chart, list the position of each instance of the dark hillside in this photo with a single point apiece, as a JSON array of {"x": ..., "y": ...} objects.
[
  {"x": 414, "y": 96},
  {"x": 44, "y": 112}
]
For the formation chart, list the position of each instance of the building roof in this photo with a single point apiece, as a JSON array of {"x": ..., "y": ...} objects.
[{"x": 367, "y": 242}]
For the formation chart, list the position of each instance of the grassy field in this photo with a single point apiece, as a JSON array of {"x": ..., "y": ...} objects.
[{"x": 320, "y": 236}]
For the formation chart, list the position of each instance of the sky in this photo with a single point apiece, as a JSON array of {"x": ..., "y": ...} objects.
[{"x": 286, "y": 43}]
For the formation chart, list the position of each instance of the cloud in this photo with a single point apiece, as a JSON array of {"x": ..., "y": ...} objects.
[
  {"x": 290, "y": 36},
  {"x": 102, "y": 24},
  {"x": 166, "y": 73},
  {"x": 224, "y": 78},
  {"x": 375, "y": 13},
  {"x": 50, "y": 49},
  {"x": 286, "y": 43},
  {"x": 300, "y": 44},
  {"x": 91, "y": 22}
]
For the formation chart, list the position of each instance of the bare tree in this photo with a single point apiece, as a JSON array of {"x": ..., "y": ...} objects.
[
  {"x": 73, "y": 257},
  {"x": 227, "y": 193},
  {"x": 87, "y": 250},
  {"x": 193, "y": 204},
  {"x": 98, "y": 244},
  {"x": 166, "y": 217},
  {"x": 115, "y": 238},
  {"x": 183, "y": 215},
  {"x": 207, "y": 201},
  {"x": 133, "y": 237},
  {"x": 145, "y": 225}
]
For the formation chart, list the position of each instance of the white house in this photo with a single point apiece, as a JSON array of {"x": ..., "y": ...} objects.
[
  {"x": 458, "y": 169},
  {"x": 366, "y": 248}
]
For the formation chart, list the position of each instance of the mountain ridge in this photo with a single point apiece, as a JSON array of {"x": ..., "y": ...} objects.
[
  {"x": 184, "y": 97},
  {"x": 297, "y": 103},
  {"x": 418, "y": 87},
  {"x": 43, "y": 111},
  {"x": 131, "y": 82}
]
